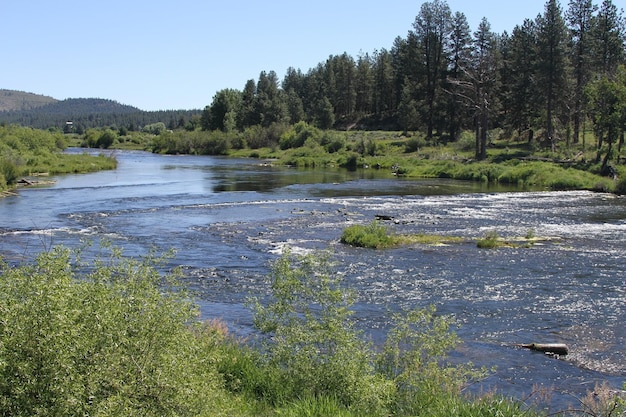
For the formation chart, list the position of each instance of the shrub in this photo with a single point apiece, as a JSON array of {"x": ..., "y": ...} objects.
[
  {"x": 414, "y": 144},
  {"x": 413, "y": 357},
  {"x": 8, "y": 171},
  {"x": 332, "y": 142},
  {"x": 329, "y": 368},
  {"x": 620, "y": 187},
  {"x": 374, "y": 236},
  {"x": 298, "y": 135},
  {"x": 467, "y": 142},
  {"x": 490, "y": 241},
  {"x": 314, "y": 341},
  {"x": 110, "y": 342}
]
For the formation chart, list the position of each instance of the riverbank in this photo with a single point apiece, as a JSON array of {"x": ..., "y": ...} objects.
[
  {"x": 27, "y": 153},
  {"x": 509, "y": 160}
]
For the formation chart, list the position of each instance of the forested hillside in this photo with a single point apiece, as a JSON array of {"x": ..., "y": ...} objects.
[
  {"x": 85, "y": 113},
  {"x": 20, "y": 100}
]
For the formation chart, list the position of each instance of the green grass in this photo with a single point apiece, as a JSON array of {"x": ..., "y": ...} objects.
[
  {"x": 373, "y": 235},
  {"x": 376, "y": 236},
  {"x": 490, "y": 241},
  {"x": 25, "y": 152}
]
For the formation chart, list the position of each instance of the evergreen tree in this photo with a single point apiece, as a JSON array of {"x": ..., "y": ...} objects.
[
  {"x": 341, "y": 78},
  {"x": 295, "y": 107},
  {"x": 460, "y": 49},
  {"x": 270, "y": 104},
  {"x": 384, "y": 100},
  {"x": 552, "y": 65},
  {"x": 484, "y": 77},
  {"x": 522, "y": 89},
  {"x": 609, "y": 37},
  {"x": 580, "y": 18},
  {"x": 247, "y": 116},
  {"x": 432, "y": 29},
  {"x": 364, "y": 85},
  {"x": 408, "y": 117},
  {"x": 223, "y": 111},
  {"x": 606, "y": 97}
]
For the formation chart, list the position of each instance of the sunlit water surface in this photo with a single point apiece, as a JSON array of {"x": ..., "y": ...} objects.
[{"x": 228, "y": 219}]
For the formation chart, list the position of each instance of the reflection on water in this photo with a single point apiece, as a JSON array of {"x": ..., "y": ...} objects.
[{"x": 229, "y": 218}]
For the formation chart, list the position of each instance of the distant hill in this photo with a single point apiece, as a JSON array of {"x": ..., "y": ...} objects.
[
  {"x": 43, "y": 112},
  {"x": 72, "y": 108},
  {"x": 20, "y": 100}
]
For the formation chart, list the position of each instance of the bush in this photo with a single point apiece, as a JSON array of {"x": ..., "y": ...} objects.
[
  {"x": 374, "y": 236},
  {"x": 329, "y": 369},
  {"x": 298, "y": 135},
  {"x": 414, "y": 358},
  {"x": 111, "y": 342},
  {"x": 333, "y": 142},
  {"x": 314, "y": 341},
  {"x": 8, "y": 171},
  {"x": 414, "y": 144},
  {"x": 490, "y": 241}
]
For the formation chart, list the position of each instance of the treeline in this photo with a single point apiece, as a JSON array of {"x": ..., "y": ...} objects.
[
  {"x": 548, "y": 81},
  {"x": 87, "y": 113}
]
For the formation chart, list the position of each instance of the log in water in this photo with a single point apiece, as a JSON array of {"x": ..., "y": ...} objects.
[{"x": 554, "y": 348}]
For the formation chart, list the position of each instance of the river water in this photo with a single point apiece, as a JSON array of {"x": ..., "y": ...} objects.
[{"x": 228, "y": 219}]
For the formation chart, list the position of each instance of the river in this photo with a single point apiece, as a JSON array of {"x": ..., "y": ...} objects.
[{"x": 228, "y": 219}]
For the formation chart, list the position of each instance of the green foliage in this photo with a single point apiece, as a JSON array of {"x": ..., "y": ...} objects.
[
  {"x": 316, "y": 407},
  {"x": 298, "y": 135},
  {"x": 8, "y": 171},
  {"x": 490, "y": 241},
  {"x": 116, "y": 337},
  {"x": 194, "y": 143},
  {"x": 154, "y": 128},
  {"x": 414, "y": 144},
  {"x": 24, "y": 151},
  {"x": 414, "y": 358},
  {"x": 109, "y": 342},
  {"x": 373, "y": 235},
  {"x": 106, "y": 139},
  {"x": 314, "y": 342},
  {"x": 333, "y": 142},
  {"x": 325, "y": 367}
]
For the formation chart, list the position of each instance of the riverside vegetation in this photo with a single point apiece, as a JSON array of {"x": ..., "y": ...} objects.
[
  {"x": 32, "y": 152},
  {"x": 509, "y": 160},
  {"x": 376, "y": 236},
  {"x": 115, "y": 336}
]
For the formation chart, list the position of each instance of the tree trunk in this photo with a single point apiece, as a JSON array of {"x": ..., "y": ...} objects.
[{"x": 555, "y": 348}]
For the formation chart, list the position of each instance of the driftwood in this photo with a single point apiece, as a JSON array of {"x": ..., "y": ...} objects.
[
  {"x": 383, "y": 217},
  {"x": 553, "y": 348}
]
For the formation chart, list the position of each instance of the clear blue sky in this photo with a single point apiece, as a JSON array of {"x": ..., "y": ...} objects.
[{"x": 159, "y": 55}]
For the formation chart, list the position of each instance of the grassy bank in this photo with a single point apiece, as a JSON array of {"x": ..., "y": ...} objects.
[
  {"x": 510, "y": 160},
  {"x": 26, "y": 152}
]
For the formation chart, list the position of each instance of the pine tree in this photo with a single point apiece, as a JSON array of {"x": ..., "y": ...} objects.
[
  {"x": 580, "y": 17},
  {"x": 432, "y": 29},
  {"x": 460, "y": 51},
  {"x": 552, "y": 65},
  {"x": 522, "y": 88}
]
